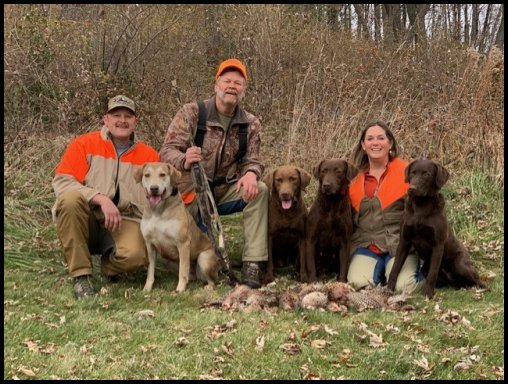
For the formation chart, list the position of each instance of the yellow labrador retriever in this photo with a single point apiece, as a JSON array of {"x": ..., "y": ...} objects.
[{"x": 171, "y": 231}]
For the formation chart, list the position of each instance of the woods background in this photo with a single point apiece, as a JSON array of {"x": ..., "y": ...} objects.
[{"x": 318, "y": 73}]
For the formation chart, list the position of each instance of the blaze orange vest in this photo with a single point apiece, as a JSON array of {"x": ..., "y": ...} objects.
[{"x": 391, "y": 189}]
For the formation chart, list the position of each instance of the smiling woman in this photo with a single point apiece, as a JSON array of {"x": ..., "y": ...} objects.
[{"x": 377, "y": 196}]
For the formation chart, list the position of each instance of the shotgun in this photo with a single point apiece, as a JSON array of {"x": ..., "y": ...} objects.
[{"x": 211, "y": 220}]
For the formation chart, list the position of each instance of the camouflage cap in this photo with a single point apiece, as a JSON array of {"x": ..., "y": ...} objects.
[
  {"x": 121, "y": 101},
  {"x": 231, "y": 64}
]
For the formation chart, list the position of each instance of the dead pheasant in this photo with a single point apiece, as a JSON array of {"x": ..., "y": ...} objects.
[
  {"x": 332, "y": 296},
  {"x": 379, "y": 297}
]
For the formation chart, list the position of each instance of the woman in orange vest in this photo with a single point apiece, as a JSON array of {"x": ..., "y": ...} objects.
[{"x": 377, "y": 196}]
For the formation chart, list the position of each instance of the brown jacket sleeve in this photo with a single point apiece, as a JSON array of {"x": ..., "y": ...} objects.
[
  {"x": 178, "y": 136},
  {"x": 252, "y": 160}
]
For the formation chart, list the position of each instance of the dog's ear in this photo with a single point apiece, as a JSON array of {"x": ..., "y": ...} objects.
[
  {"x": 352, "y": 171},
  {"x": 407, "y": 171},
  {"x": 174, "y": 173},
  {"x": 316, "y": 169},
  {"x": 442, "y": 175},
  {"x": 138, "y": 174},
  {"x": 268, "y": 179},
  {"x": 304, "y": 177}
]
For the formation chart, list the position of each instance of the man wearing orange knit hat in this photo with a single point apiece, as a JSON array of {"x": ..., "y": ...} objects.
[{"x": 229, "y": 151}]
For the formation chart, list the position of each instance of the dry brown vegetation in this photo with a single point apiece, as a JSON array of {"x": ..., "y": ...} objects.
[{"x": 313, "y": 86}]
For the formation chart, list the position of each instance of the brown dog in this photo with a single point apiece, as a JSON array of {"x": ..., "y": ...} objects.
[
  {"x": 425, "y": 226},
  {"x": 287, "y": 213},
  {"x": 171, "y": 231},
  {"x": 330, "y": 221}
]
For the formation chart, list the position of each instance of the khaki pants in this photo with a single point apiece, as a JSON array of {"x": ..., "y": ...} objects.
[
  {"x": 82, "y": 235},
  {"x": 364, "y": 268},
  {"x": 255, "y": 219}
]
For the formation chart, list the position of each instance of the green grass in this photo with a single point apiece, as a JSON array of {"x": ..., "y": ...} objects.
[{"x": 50, "y": 335}]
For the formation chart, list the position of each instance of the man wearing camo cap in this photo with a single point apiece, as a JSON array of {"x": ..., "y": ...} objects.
[{"x": 99, "y": 204}]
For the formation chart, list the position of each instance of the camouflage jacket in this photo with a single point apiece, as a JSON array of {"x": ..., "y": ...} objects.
[{"x": 219, "y": 146}]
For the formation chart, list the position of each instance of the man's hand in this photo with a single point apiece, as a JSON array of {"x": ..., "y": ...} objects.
[
  {"x": 250, "y": 186},
  {"x": 192, "y": 155},
  {"x": 112, "y": 217}
]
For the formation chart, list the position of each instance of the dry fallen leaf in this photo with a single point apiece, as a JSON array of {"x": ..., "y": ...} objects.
[
  {"x": 466, "y": 323},
  {"x": 423, "y": 348},
  {"x": 346, "y": 355},
  {"x": 49, "y": 348},
  {"x": 290, "y": 348},
  {"x": 143, "y": 314},
  {"x": 393, "y": 329},
  {"x": 424, "y": 364},
  {"x": 219, "y": 359},
  {"x": 215, "y": 334},
  {"x": 318, "y": 344},
  {"x": 228, "y": 348},
  {"x": 260, "y": 343},
  {"x": 32, "y": 345},
  {"x": 376, "y": 341},
  {"x": 309, "y": 330},
  {"x": 149, "y": 347},
  {"x": 181, "y": 341},
  {"x": 27, "y": 372},
  {"x": 84, "y": 349},
  {"x": 488, "y": 276},
  {"x": 307, "y": 374},
  {"x": 498, "y": 371},
  {"x": 463, "y": 365},
  {"x": 330, "y": 331}
]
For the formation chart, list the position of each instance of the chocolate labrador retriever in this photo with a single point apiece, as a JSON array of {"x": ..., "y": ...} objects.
[
  {"x": 425, "y": 226},
  {"x": 287, "y": 213},
  {"x": 330, "y": 221}
]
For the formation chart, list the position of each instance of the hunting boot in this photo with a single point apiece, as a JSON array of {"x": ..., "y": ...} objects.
[
  {"x": 83, "y": 287},
  {"x": 252, "y": 275}
]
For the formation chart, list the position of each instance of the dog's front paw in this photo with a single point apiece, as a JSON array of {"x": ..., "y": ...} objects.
[
  {"x": 210, "y": 286},
  {"x": 429, "y": 292},
  {"x": 147, "y": 287},
  {"x": 268, "y": 278},
  {"x": 180, "y": 288}
]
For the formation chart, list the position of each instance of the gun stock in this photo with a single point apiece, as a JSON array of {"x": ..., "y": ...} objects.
[{"x": 211, "y": 220}]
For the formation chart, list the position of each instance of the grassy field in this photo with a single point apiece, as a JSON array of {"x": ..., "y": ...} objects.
[{"x": 125, "y": 333}]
